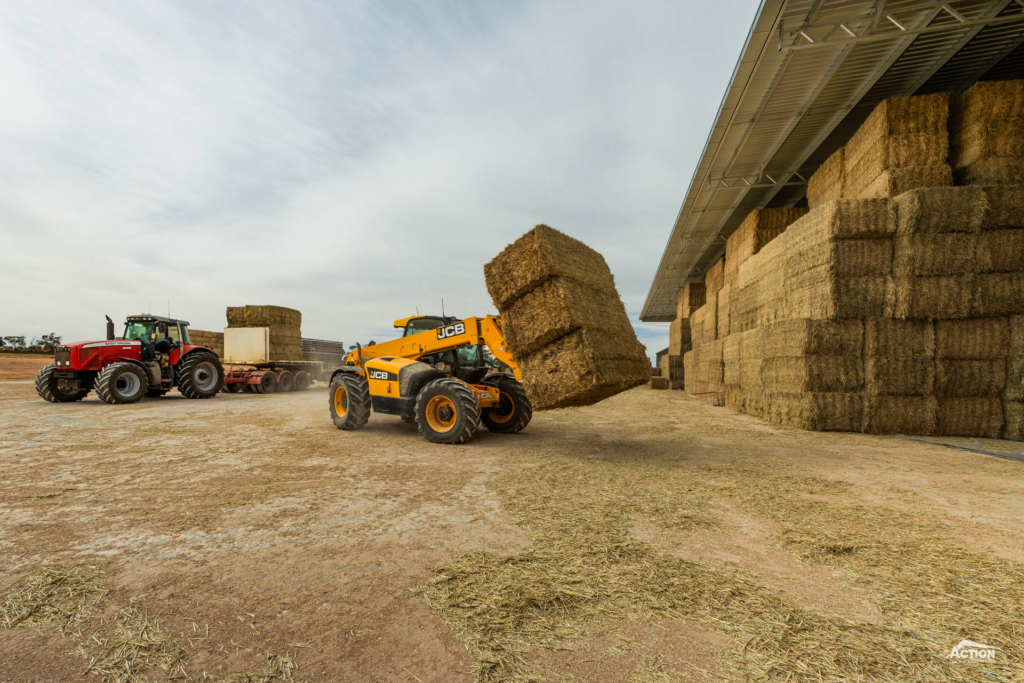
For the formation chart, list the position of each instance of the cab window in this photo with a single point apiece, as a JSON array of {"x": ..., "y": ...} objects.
[
  {"x": 184, "y": 335},
  {"x": 138, "y": 330},
  {"x": 422, "y": 325}
]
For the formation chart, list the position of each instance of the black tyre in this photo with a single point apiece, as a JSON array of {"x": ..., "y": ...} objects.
[
  {"x": 285, "y": 382},
  {"x": 349, "y": 401},
  {"x": 514, "y": 411},
  {"x": 49, "y": 389},
  {"x": 122, "y": 383},
  {"x": 447, "y": 411},
  {"x": 301, "y": 381},
  {"x": 267, "y": 385},
  {"x": 199, "y": 375}
]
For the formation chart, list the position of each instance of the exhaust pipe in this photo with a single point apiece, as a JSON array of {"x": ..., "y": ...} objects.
[{"x": 110, "y": 328}]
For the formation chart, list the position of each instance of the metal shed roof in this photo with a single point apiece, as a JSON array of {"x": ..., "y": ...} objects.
[{"x": 810, "y": 73}]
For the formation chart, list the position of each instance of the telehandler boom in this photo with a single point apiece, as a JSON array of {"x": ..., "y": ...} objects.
[{"x": 446, "y": 375}]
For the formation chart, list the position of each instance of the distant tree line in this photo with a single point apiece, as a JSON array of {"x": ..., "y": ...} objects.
[{"x": 16, "y": 343}]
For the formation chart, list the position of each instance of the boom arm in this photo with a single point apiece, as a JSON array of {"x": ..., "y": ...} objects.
[{"x": 468, "y": 332}]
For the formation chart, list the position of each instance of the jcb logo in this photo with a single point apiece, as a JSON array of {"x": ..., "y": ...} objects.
[
  {"x": 378, "y": 374},
  {"x": 451, "y": 331}
]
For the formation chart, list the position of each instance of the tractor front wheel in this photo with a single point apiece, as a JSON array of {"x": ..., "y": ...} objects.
[
  {"x": 513, "y": 411},
  {"x": 122, "y": 383},
  {"x": 49, "y": 389},
  {"x": 200, "y": 375},
  {"x": 447, "y": 411},
  {"x": 349, "y": 401}
]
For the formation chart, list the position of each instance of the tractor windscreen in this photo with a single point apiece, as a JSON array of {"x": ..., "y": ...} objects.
[{"x": 138, "y": 330}]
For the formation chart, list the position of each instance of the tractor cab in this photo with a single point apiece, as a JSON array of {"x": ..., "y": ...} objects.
[{"x": 153, "y": 328}]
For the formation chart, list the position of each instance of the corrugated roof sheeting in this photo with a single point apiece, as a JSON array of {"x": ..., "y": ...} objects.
[{"x": 787, "y": 110}]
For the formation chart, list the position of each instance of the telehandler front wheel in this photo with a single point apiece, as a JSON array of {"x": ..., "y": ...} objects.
[
  {"x": 512, "y": 413},
  {"x": 447, "y": 411},
  {"x": 349, "y": 401}
]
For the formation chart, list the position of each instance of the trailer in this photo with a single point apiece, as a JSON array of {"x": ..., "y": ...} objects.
[{"x": 250, "y": 367}]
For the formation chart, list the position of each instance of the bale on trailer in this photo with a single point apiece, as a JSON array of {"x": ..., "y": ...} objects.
[
  {"x": 212, "y": 340},
  {"x": 262, "y": 316},
  {"x": 564, "y": 321}
]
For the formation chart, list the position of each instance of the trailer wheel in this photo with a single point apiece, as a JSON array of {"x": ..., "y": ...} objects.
[
  {"x": 200, "y": 375},
  {"x": 121, "y": 383},
  {"x": 49, "y": 388},
  {"x": 285, "y": 381},
  {"x": 301, "y": 381},
  {"x": 267, "y": 384},
  {"x": 349, "y": 401},
  {"x": 447, "y": 411},
  {"x": 512, "y": 413}
]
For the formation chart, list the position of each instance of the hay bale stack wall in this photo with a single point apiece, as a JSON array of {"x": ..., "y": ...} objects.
[
  {"x": 212, "y": 340},
  {"x": 563, "y": 321},
  {"x": 886, "y": 308},
  {"x": 285, "y": 327}
]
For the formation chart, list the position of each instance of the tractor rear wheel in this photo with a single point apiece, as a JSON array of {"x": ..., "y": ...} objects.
[
  {"x": 49, "y": 389},
  {"x": 200, "y": 375},
  {"x": 349, "y": 401},
  {"x": 447, "y": 411},
  {"x": 512, "y": 413},
  {"x": 121, "y": 383}
]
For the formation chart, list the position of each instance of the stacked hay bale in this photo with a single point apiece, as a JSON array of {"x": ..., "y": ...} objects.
[
  {"x": 563, "y": 321},
  {"x": 902, "y": 145},
  {"x": 882, "y": 314},
  {"x": 658, "y": 383},
  {"x": 987, "y": 134},
  {"x": 829, "y": 182},
  {"x": 680, "y": 337},
  {"x": 285, "y": 327},
  {"x": 212, "y": 340},
  {"x": 708, "y": 366}
]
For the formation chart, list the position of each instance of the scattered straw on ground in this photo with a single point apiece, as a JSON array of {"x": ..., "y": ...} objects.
[
  {"x": 55, "y": 597},
  {"x": 583, "y": 570},
  {"x": 278, "y": 670},
  {"x": 137, "y": 646}
]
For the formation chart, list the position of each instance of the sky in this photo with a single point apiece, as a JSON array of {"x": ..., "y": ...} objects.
[{"x": 358, "y": 161}]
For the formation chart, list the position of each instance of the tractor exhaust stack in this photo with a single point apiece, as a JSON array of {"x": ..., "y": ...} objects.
[{"x": 110, "y": 328}]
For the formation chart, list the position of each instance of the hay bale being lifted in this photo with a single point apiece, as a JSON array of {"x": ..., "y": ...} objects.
[{"x": 564, "y": 321}]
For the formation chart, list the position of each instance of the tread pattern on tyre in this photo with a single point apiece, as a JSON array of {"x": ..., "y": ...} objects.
[
  {"x": 520, "y": 398},
  {"x": 183, "y": 372},
  {"x": 45, "y": 382},
  {"x": 358, "y": 412},
  {"x": 467, "y": 405},
  {"x": 104, "y": 384}
]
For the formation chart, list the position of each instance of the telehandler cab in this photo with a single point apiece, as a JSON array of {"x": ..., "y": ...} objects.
[
  {"x": 152, "y": 356},
  {"x": 446, "y": 375}
]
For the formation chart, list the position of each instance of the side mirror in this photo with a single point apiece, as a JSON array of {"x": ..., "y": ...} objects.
[{"x": 161, "y": 328}]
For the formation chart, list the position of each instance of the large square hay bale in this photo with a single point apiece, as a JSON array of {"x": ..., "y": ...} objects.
[
  {"x": 1015, "y": 360},
  {"x": 211, "y": 340},
  {"x": 263, "y": 316},
  {"x": 827, "y": 412},
  {"x": 845, "y": 219},
  {"x": 896, "y": 339},
  {"x": 915, "y": 415},
  {"x": 999, "y": 294},
  {"x": 680, "y": 338},
  {"x": 940, "y": 209},
  {"x": 935, "y": 254},
  {"x": 715, "y": 277},
  {"x": 539, "y": 255},
  {"x": 903, "y": 117},
  {"x": 688, "y": 372},
  {"x": 807, "y": 337},
  {"x": 813, "y": 373},
  {"x": 583, "y": 368},
  {"x": 940, "y": 297},
  {"x": 899, "y": 376},
  {"x": 843, "y": 258},
  {"x": 659, "y": 383},
  {"x": 1005, "y": 207},
  {"x": 759, "y": 228},
  {"x": 974, "y": 338},
  {"x": 896, "y": 181},
  {"x": 970, "y": 378},
  {"x": 1001, "y": 251},
  {"x": 555, "y": 308},
  {"x": 709, "y": 317},
  {"x": 986, "y": 126},
  {"x": 829, "y": 182},
  {"x": 750, "y": 374},
  {"x": 995, "y": 171},
  {"x": 743, "y": 316},
  {"x": 839, "y": 298},
  {"x": 724, "y": 310},
  {"x": 691, "y": 297},
  {"x": 981, "y": 417},
  {"x": 673, "y": 370},
  {"x": 1013, "y": 418}
]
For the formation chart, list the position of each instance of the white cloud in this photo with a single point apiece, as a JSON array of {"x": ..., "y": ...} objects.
[{"x": 354, "y": 162}]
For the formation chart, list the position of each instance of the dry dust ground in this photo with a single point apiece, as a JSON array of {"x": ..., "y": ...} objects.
[
  {"x": 649, "y": 538},
  {"x": 21, "y": 366}
]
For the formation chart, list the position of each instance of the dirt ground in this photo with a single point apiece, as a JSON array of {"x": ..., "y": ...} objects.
[
  {"x": 648, "y": 538},
  {"x": 20, "y": 366}
]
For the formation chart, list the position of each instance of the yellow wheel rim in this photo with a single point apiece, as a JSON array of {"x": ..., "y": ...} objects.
[
  {"x": 340, "y": 402},
  {"x": 441, "y": 413},
  {"x": 508, "y": 408}
]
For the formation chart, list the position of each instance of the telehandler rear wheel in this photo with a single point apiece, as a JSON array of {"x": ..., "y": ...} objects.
[
  {"x": 349, "y": 401},
  {"x": 121, "y": 383},
  {"x": 49, "y": 389},
  {"x": 514, "y": 411},
  {"x": 447, "y": 411}
]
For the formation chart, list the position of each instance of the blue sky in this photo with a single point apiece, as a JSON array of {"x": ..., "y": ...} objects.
[{"x": 352, "y": 160}]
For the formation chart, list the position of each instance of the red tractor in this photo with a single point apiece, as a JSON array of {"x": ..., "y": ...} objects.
[{"x": 151, "y": 357}]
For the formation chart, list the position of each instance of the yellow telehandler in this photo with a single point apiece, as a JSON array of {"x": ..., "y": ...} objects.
[{"x": 446, "y": 375}]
